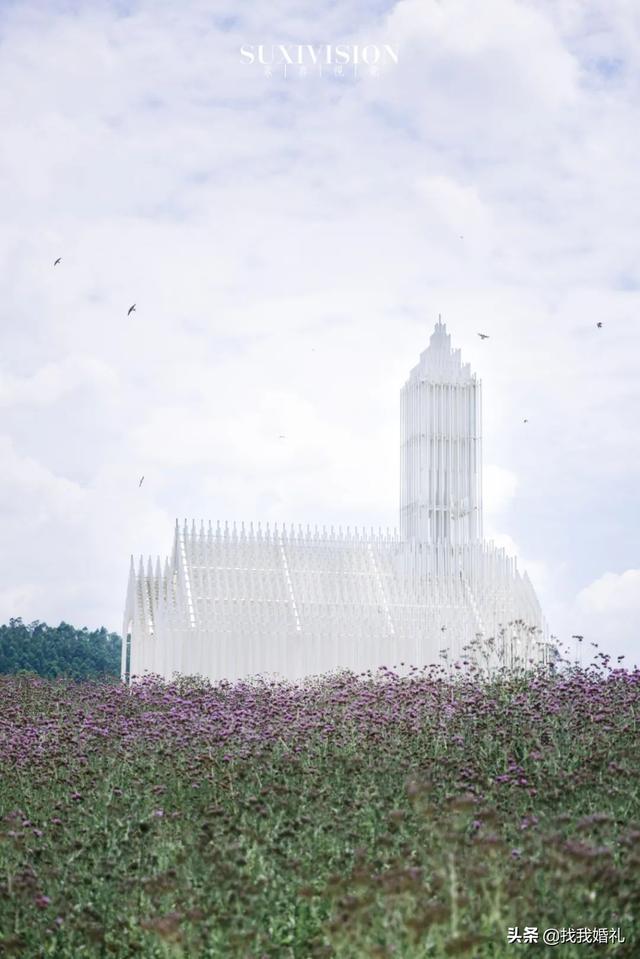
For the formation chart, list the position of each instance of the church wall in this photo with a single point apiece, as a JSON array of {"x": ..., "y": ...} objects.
[{"x": 298, "y": 605}]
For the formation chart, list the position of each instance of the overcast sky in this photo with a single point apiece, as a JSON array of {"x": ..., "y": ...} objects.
[{"x": 289, "y": 243}]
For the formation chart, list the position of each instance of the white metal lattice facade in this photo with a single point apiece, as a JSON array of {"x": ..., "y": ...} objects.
[
  {"x": 234, "y": 601},
  {"x": 441, "y": 448}
]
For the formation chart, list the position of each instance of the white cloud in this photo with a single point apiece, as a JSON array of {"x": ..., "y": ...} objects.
[
  {"x": 479, "y": 72},
  {"x": 289, "y": 245},
  {"x": 607, "y": 611},
  {"x": 66, "y": 557},
  {"x": 53, "y": 380},
  {"x": 613, "y": 593},
  {"x": 498, "y": 489},
  {"x": 24, "y": 477}
]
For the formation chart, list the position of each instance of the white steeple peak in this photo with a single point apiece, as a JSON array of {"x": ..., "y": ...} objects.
[{"x": 439, "y": 363}]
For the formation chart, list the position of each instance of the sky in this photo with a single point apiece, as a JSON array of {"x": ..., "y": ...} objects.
[{"x": 289, "y": 242}]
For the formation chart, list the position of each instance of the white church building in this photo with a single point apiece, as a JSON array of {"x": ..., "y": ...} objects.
[{"x": 235, "y": 600}]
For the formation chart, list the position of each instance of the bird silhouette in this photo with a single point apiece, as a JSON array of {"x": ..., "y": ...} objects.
[
  {"x": 525, "y": 421},
  {"x": 141, "y": 482},
  {"x": 483, "y": 336},
  {"x": 55, "y": 262},
  {"x": 442, "y": 629},
  {"x": 599, "y": 324},
  {"x": 578, "y": 637},
  {"x": 131, "y": 309}
]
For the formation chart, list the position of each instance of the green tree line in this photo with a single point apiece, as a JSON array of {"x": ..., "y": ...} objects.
[{"x": 59, "y": 650}]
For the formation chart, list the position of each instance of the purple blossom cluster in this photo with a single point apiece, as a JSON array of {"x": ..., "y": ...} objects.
[{"x": 266, "y": 819}]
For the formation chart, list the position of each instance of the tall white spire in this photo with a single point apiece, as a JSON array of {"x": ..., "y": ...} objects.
[
  {"x": 441, "y": 448},
  {"x": 439, "y": 362}
]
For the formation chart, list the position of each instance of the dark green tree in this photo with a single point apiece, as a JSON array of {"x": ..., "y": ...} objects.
[{"x": 59, "y": 650}]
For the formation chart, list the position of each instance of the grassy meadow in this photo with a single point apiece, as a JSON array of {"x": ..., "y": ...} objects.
[{"x": 353, "y": 816}]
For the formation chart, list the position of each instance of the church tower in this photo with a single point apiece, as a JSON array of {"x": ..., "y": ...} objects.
[{"x": 441, "y": 448}]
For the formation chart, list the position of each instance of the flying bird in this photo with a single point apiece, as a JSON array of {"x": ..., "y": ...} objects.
[
  {"x": 578, "y": 637},
  {"x": 599, "y": 324},
  {"x": 55, "y": 262},
  {"x": 442, "y": 629},
  {"x": 483, "y": 336},
  {"x": 131, "y": 309},
  {"x": 141, "y": 482},
  {"x": 525, "y": 421}
]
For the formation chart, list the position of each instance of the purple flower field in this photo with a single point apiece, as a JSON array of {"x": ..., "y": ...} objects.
[{"x": 353, "y": 816}]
